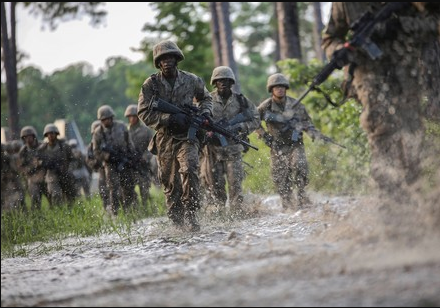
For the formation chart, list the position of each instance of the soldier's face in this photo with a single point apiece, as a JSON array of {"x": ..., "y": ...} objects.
[
  {"x": 107, "y": 122},
  {"x": 168, "y": 64},
  {"x": 29, "y": 139},
  {"x": 133, "y": 120},
  {"x": 223, "y": 85},
  {"x": 279, "y": 91}
]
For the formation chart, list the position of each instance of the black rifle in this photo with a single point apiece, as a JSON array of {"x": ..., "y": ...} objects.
[
  {"x": 197, "y": 121},
  {"x": 362, "y": 28},
  {"x": 297, "y": 127},
  {"x": 237, "y": 119},
  {"x": 116, "y": 158}
]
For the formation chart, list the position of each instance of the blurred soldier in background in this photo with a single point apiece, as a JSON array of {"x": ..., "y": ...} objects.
[
  {"x": 141, "y": 136},
  {"x": 56, "y": 156},
  {"x": 178, "y": 157},
  {"x": 286, "y": 120},
  {"x": 13, "y": 194},
  {"x": 80, "y": 170},
  {"x": 97, "y": 165},
  {"x": 31, "y": 168},
  {"x": 222, "y": 158},
  {"x": 112, "y": 145}
]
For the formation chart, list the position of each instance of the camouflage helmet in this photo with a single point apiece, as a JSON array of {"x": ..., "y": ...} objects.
[
  {"x": 105, "y": 112},
  {"x": 131, "y": 110},
  {"x": 222, "y": 72},
  {"x": 277, "y": 80},
  {"x": 94, "y": 125},
  {"x": 166, "y": 48},
  {"x": 27, "y": 131},
  {"x": 50, "y": 128}
]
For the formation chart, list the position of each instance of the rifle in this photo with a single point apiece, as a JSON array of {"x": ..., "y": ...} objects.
[
  {"x": 363, "y": 29},
  {"x": 197, "y": 121},
  {"x": 237, "y": 119},
  {"x": 297, "y": 128},
  {"x": 116, "y": 157}
]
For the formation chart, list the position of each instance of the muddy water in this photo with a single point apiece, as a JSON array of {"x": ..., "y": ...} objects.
[{"x": 334, "y": 253}]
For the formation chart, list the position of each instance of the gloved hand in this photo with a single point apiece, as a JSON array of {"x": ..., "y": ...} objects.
[
  {"x": 207, "y": 117},
  {"x": 236, "y": 128},
  {"x": 179, "y": 123},
  {"x": 343, "y": 57}
]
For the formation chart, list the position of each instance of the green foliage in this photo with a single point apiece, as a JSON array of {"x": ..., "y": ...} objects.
[
  {"x": 54, "y": 12},
  {"x": 183, "y": 23},
  {"x": 257, "y": 168},
  {"x": 85, "y": 218}
]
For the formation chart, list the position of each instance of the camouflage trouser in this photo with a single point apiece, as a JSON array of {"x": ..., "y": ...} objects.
[
  {"x": 142, "y": 178},
  {"x": 391, "y": 97},
  {"x": 289, "y": 167},
  {"x": 103, "y": 189},
  {"x": 218, "y": 167},
  {"x": 178, "y": 168},
  {"x": 36, "y": 188},
  {"x": 120, "y": 185}
]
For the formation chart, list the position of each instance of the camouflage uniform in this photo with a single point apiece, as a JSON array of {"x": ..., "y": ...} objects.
[
  {"x": 141, "y": 136},
  {"x": 114, "y": 147},
  {"x": 31, "y": 168},
  {"x": 178, "y": 157},
  {"x": 221, "y": 163},
  {"x": 389, "y": 88},
  {"x": 288, "y": 158},
  {"x": 56, "y": 157},
  {"x": 80, "y": 170},
  {"x": 13, "y": 194},
  {"x": 97, "y": 165}
]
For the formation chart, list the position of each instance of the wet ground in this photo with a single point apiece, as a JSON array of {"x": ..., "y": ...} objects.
[{"x": 337, "y": 252}]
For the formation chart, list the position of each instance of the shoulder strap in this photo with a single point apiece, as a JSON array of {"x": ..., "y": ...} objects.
[
  {"x": 154, "y": 78},
  {"x": 242, "y": 102}
]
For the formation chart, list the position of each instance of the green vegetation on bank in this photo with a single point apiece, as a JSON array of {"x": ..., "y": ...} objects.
[{"x": 85, "y": 218}]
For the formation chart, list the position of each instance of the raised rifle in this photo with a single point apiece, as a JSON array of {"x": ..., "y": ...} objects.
[
  {"x": 297, "y": 127},
  {"x": 197, "y": 121},
  {"x": 362, "y": 29}
]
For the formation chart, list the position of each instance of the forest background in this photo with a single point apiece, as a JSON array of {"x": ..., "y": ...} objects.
[{"x": 269, "y": 37}]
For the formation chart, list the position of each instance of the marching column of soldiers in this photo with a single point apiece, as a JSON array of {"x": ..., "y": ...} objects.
[{"x": 121, "y": 155}]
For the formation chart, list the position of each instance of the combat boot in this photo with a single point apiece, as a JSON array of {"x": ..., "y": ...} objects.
[
  {"x": 303, "y": 200},
  {"x": 192, "y": 222},
  {"x": 177, "y": 218}
]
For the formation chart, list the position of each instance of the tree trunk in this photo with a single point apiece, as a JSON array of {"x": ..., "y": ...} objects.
[
  {"x": 318, "y": 26},
  {"x": 277, "y": 54},
  {"x": 10, "y": 64},
  {"x": 288, "y": 29},
  {"x": 226, "y": 40},
  {"x": 215, "y": 30}
]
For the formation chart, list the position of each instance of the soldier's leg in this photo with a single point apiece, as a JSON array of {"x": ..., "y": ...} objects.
[
  {"x": 282, "y": 178},
  {"x": 235, "y": 176},
  {"x": 188, "y": 159},
  {"x": 300, "y": 172},
  {"x": 170, "y": 180}
]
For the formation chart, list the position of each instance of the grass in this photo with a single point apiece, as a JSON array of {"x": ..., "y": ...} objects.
[{"x": 85, "y": 218}]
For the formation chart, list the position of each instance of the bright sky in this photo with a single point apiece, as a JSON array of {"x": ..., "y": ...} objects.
[{"x": 76, "y": 40}]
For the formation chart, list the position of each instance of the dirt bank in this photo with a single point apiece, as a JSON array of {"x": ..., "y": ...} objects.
[{"x": 341, "y": 251}]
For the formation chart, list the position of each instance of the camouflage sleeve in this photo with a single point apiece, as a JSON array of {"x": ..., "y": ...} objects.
[
  {"x": 335, "y": 32},
  {"x": 254, "y": 122},
  {"x": 153, "y": 119},
  {"x": 203, "y": 97}
]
